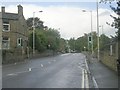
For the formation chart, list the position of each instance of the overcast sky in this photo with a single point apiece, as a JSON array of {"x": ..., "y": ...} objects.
[{"x": 67, "y": 16}]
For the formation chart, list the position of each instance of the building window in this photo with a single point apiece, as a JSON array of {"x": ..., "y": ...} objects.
[
  {"x": 6, "y": 27},
  {"x": 19, "y": 42},
  {"x": 5, "y": 43}
]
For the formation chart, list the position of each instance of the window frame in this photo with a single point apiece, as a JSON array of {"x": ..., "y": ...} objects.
[
  {"x": 8, "y": 41},
  {"x": 8, "y": 27},
  {"x": 19, "y": 43}
]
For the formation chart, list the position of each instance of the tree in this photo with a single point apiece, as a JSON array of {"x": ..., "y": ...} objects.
[
  {"x": 72, "y": 43},
  {"x": 104, "y": 42},
  {"x": 53, "y": 39},
  {"x": 116, "y": 24},
  {"x": 63, "y": 46},
  {"x": 37, "y": 22}
]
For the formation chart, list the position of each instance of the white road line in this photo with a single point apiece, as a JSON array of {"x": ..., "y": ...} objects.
[
  {"x": 95, "y": 83},
  {"x": 16, "y": 73},
  {"x": 65, "y": 54},
  {"x": 12, "y": 74},
  {"x": 41, "y": 65},
  {"x": 87, "y": 66},
  {"x": 86, "y": 79},
  {"x": 29, "y": 69},
  {"x": 83, "y": 79}
]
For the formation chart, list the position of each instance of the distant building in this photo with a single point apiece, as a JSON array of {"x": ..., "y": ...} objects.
[{"x": 14, "y": 31}]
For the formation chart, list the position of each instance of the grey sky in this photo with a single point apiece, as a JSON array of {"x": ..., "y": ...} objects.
[{"x": 67, "y": 16}]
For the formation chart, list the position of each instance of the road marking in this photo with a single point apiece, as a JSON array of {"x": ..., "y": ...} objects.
[
  {"x": 41, "y": 65},
  {"x": 86, "y": 79},
  {"x": 12, "y": 74},
  {"x": 87, "y": 66},
  {"x": 83, "y": 78},
  {"x": 65, "y": 54},
  {"x": 95, "y": 83},
  {"x": 16, "y": 73},
  {"x": 93, "y": 79},
  {"x": 29, "y": 69}
]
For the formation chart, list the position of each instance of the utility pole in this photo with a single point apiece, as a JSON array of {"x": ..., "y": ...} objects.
[
  {"x": 91, "y": 34},
  {"x": 98, "y": 57},
  {"x": 1, "y": 26},
  {"x": 34, "y": 32}
]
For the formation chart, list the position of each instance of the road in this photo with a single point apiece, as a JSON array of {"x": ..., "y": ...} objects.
[{"x": 62, "y": 71}]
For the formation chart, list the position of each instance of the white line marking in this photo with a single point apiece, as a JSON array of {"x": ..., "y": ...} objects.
[
  {"x": 86, "y": 79},
  {"x": 41, "y": 65},
  {"x": 87, "y": 71},
  {"x": 95, "y": 83},
  {"x": 65, "y": 54},
  {"x": 87, "y": 66},
  {"x": 30, "y": 69},
  {"x": 12, "y": 74},
  {"x": 83, "y": 78},
  {"x": 16, "y": 73}
]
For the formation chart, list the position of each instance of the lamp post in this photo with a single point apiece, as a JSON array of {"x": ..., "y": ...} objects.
[
  {"x": 98, "y": 33},
  {"x": 34, "y": 31},
  {"x": 91, "y": 31}
]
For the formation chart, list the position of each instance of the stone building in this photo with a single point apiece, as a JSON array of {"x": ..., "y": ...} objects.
[{"x": 14, "y": 35}]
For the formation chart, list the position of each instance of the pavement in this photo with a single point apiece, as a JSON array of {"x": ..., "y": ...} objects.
[{"x": 101, "y": 75}]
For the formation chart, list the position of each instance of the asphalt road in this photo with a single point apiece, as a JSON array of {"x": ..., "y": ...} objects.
[{"x": 62, "y": 71}]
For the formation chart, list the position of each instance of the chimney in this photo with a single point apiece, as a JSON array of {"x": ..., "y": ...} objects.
[
  {"x": 3, "y": 9},
  {"x": 20, "y": 10}
]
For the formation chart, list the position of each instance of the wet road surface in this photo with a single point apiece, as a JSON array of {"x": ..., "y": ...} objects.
[{"x": 62, "y": 71}]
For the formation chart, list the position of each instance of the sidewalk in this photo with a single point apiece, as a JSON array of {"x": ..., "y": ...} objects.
[{"x": 104, "y": 77}]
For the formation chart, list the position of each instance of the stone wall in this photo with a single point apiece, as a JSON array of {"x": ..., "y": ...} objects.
[
  {"x": 110, "y": 60},
  {"x": 14, "y": 55}
]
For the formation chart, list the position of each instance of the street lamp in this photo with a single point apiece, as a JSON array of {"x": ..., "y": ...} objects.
[
  {"x": 34, "y": 32},
  {"x": 91, "y": 30},
  {"x": 98, "y": 32}
]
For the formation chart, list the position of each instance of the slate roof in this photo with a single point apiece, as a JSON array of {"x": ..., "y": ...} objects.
[{"x": 12, "y": 16}]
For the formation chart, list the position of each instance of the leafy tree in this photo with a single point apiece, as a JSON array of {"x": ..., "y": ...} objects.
[
  {"x": 53, "y": 39},
  {"x": 116, "y": 22},
  {"x": 104, "y": 42},
  {"x": 72, "y": 43},
  {"x": 63, "y": 48},
  {"x": 81, "y": 43},
  {"x": 37, "y": 22}
]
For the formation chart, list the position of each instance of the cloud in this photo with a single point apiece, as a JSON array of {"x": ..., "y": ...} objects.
[{"x": 71, "y": 20}]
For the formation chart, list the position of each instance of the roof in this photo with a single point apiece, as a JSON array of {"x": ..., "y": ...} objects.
[{"x": 12, "y": 16}]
